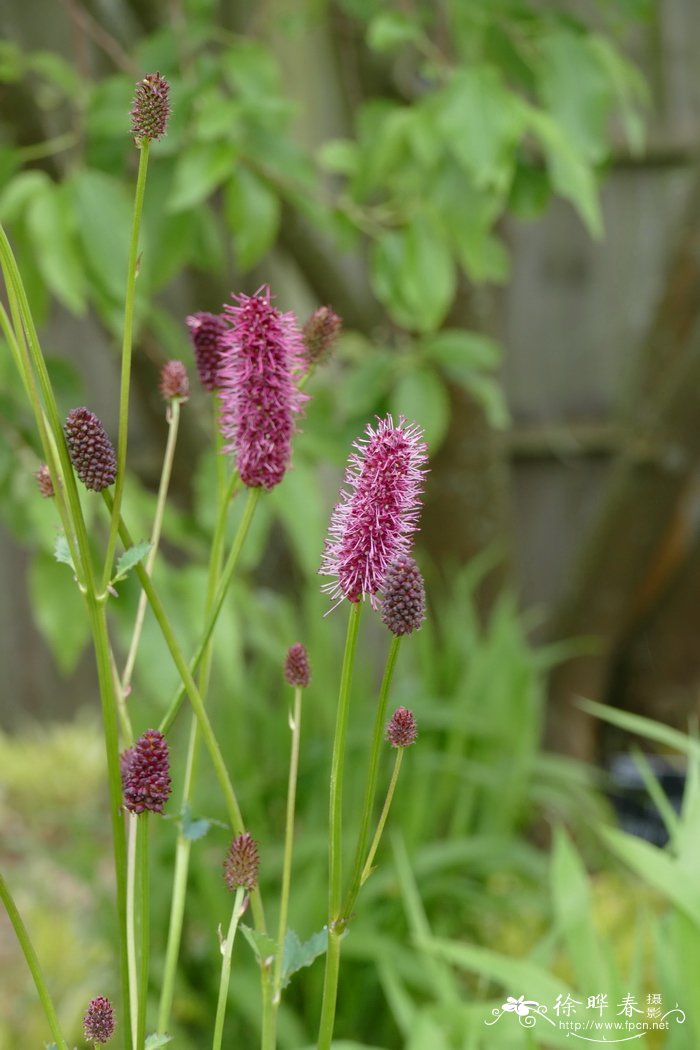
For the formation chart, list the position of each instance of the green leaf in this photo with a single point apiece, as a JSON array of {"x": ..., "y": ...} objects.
[
  {"x": 420, "y": 395},
  {"x": 200, "y": 169},
  {"x": 155, "y": 1040},
  {"x": 658, "y": 869},
  {"x": 574, "y": 912},
  {"x": 62, "y": 552},
  {"x": 58, "y": 72},
  {"x": 193, "y": 829},
  {"x": 570, "y": 175},
  {"x": 52, "y": 236},
  {"x": 296, "y": 955},
  {"x": 487, "y": 391},
  {"x": 264, "y": 947},
  {"x": 339, "y": 155},
  {"x": 461, "y": 353},
  {"x": 413, "y": 274},
  {"x": 103, "y": 223},
  {"x": 130, "y": 558},
  {"x": 390, "y": 30},
  {"x": 59, "y": 611},
  {"x": 19, "y": 192},
  {"x": 641, "y": 726},
  {"x": 253, "y": 215}
]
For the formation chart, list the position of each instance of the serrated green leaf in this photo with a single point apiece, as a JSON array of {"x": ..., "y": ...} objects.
[
  {"x": 59, "y": 611},
  {"x": 296, "y": 955},
  {"x": 130, "y": 558},
  {"x": 263, "y": 946},
  {"x": 390, "y": 30},
  {"x": 193, "y": 828},
  {"x": 200, "y": 170},
  {"x": 52, "y": 236},
  {"x": 155, "y": 1040},
  {"x": 61, "y": 552},
  {"x": 253, "y": 216},
  {"x": 420, "y": 395}
]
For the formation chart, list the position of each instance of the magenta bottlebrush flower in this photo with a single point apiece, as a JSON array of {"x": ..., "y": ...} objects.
[
  {"x": 320, "y": 333},
  {"x": 151, "y": 108},
  {"x": 373, "y": 522},
  {"x": 145, "y": 769},
  {"x": 44, "y": 482},
  {"x": 296, "y": 665},
  {"x": 91, "y": 452},
  {"x": 207, "y": 331},
  {"x": 401, "y": 730},
  {"x": 259, "y": 398},
  {"x": 99, "y": 1023},
  {"x": 403, "y": 596},
  {"x": 174, "y": 381},
  {"x": 242, "y": 863}
]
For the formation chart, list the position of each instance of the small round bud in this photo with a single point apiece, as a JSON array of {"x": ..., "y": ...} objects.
[
  {"x": 99, "y": 1023},
  {"x": 242, "y": 863},
  {"x": 44, "y": 482},
  {"x": 319, "y": 334},
  {"x": 151, "y": 108},
  {"x": 206, "y": 331},
  {"x": 174, "y": 381},
  {"x": 401, "y": 730},
  {"x": 91, "y": 452},
  {"x": 403, "y": 602},
  {"x": 145, "y": 767},
  {"x": 296, "y": 665}
]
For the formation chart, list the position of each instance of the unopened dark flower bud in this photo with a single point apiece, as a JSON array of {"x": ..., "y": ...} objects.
[
  {"x": 174, "y": 381},
  {"x": 145, "y": 768},
  {"x": 403, "y": 603},
  {"x": 151, "y": 108},
  {"x": 206, "y": 331},
  {"x": 91, "y": 452},
  {"x": 242, "y": 863},
  {"x": 401, "y": 730},
  {"x": 99, "y": 1023},
  {"x": 296, "y": 665},
  {"x": 319, "y": 334},
  {"x": 44, "y": 482}
]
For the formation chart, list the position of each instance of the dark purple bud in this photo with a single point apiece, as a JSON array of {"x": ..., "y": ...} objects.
[
  {"x": 99, "y": 1023},
  {"x": 296, "y": 665},
  {"x": 319, "y": 334},
  {"x": 206, "y": 331},
  {"x": 44, "y": 482},
  {"x": 403, "y": 603},
  {"x": 242, "y": 863},
  {"x": 151, "y": 108},
  {"x": 401, "y": 730},
  {"x": 174, "y": 381},
  {"x": 91, "y": 452},
  {"x": 146, "y": 773}
]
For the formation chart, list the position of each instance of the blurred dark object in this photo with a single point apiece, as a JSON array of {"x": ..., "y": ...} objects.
[{"x": 636, "y": 811}]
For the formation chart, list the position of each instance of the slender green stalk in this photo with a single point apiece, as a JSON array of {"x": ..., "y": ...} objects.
[
  {"x": 173, "y": 425},
  {"x": 226, "y": 949},
  {"x": 330, "y": 984},
  {"x": 195, "y": 699},
  {"x": 33, "y": 963},
  {"x": 295, "y": 726},
  {"x": 367, "y": 870},
  {"x": 131, "y": 925},
  {"x": 143, "y": 911},
  {"x": 127, "y": 341},
  {"x": 371, "y": 785}
]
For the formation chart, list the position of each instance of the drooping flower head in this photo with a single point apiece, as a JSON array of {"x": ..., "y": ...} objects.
[
  {"x": 151, "y": 108},
  {"x": 99, "y": 1023},
  {"x": 242, "y": 863},
  {"x": 207, "y": 331},
  {"x": 296, "y": 665},
  {"x": 145, "y": 770},
  {"x": 401, "y": 729},
  {"x": 403, "y": 598},
  {"x": 320, "y": 333},
  {"x": 174, "y": 381},
  {"x": 259, "y": 398},
  {"x": 91, "y": 452},
  {"x": 374, "y": 520}
]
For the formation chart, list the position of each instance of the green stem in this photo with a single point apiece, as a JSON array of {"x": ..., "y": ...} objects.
[
  {"x": 173, "y": 425},
  {"x": 367, "y": 870},
  {"x": 208, "y": 735},
  {"x": 127, "y": 341},
  {"x": 330, "y": 984},
  {"x": 295, "y": 726},
  {"x": 131, "y": 925},
  {"x": 143, "y": 910},
  {"x": 33, "y": 963},
  {"x": 371, "y": 785},
  {"x": 226, "y": 949}
]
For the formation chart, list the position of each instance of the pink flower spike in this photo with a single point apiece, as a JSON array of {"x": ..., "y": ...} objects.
[
  {"x": 374, "y": 521},
  {"x": 262, "y": 359}
]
